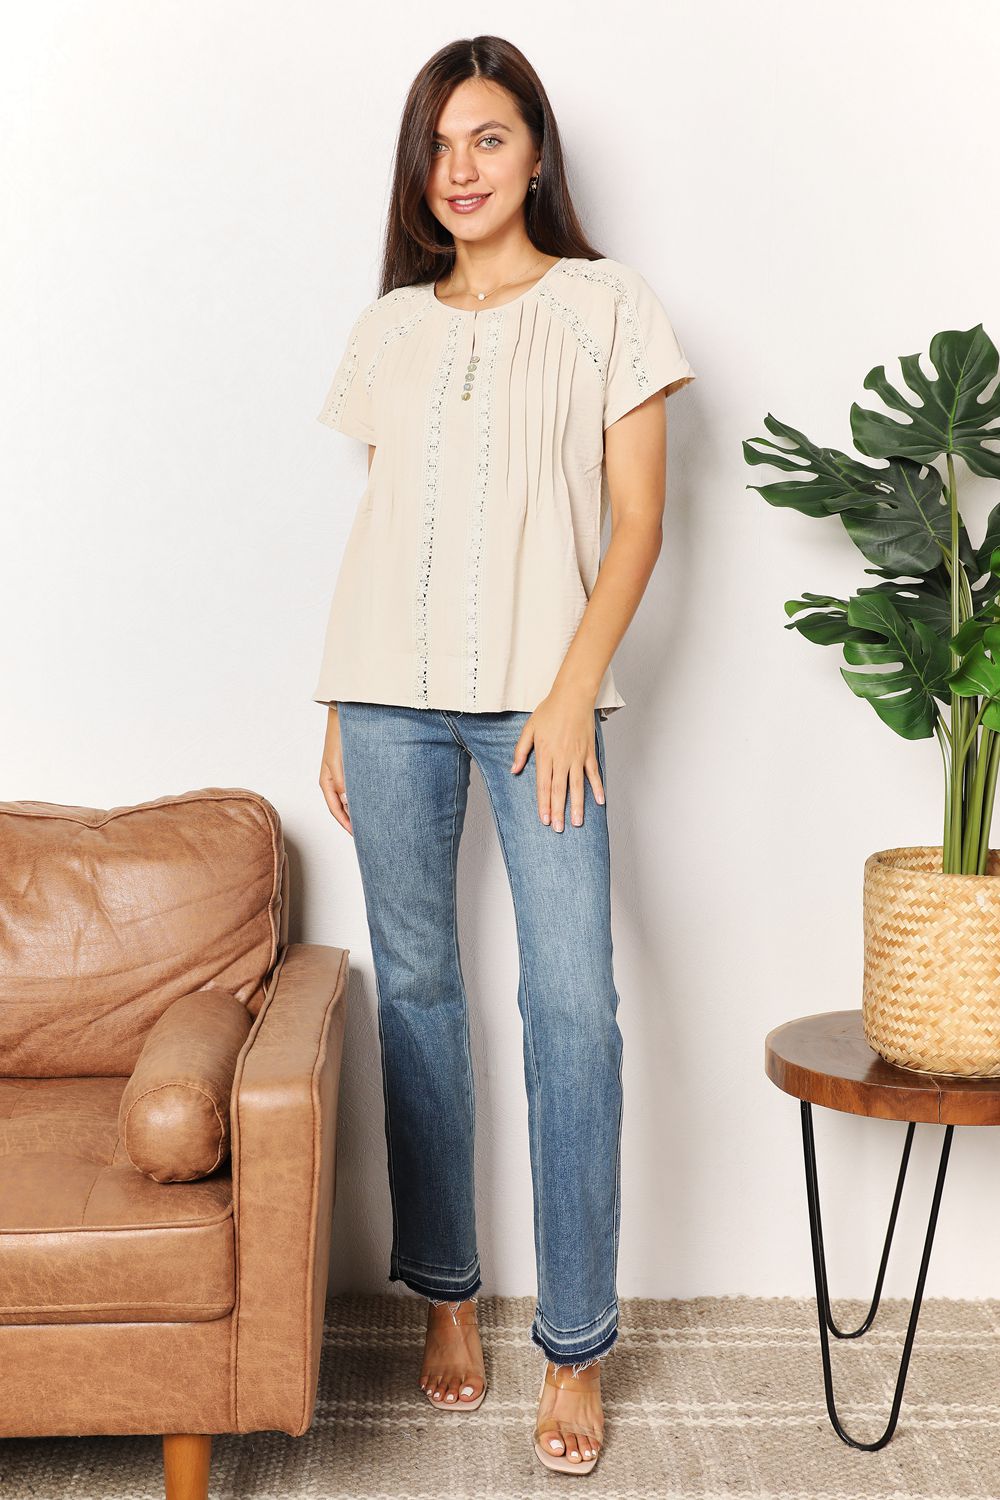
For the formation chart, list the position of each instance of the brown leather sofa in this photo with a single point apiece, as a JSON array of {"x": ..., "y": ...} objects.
[{"x": 163, "y": 1257}]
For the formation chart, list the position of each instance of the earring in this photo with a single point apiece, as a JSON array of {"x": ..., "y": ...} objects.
[{"x": 533, "y": 184}]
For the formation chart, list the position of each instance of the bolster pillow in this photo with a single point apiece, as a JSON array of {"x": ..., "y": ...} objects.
[{"x": 173, "y": 1119}]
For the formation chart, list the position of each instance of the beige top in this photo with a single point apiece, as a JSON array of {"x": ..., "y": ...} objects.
[{"x": 476, "y": 542}]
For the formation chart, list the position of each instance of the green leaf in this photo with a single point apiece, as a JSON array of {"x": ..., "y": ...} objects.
[
  {"x": 986, "y": 599},
  {"x": 911, "y": 530},
  {"x": 969, "y": 634},
  {"x": 826, "y": 625},
  {"x": 927, "y": 598},
  {"x": 915, "y": 662},
  {"x": 897, "y": 516},
  {"x": 949, "y": 418},
  {"x": 988, "y": 555},
  {"x": 839, "y": 482},
  {"x": 978, "y": 673}
]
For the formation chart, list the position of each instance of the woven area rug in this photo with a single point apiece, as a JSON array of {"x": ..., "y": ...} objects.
[{"x": 704, "y": 1398}]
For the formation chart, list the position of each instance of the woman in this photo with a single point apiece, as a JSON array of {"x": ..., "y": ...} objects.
[{"x": 509, "y": 382}]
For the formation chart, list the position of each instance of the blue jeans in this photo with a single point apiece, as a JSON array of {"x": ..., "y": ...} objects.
[{"x": 406, "y": 772}]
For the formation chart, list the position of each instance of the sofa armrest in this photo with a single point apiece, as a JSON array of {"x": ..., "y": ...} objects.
[{"x": 284, "y": 1138}]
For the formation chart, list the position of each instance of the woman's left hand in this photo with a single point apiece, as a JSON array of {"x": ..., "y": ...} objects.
[{"x": 563, "y": 735}]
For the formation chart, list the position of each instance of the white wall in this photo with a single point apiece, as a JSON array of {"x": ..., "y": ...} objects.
[{"x": 198, "y": 193}]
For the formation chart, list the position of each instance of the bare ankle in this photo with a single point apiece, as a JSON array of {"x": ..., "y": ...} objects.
[{"x": 453, "y": 1308}]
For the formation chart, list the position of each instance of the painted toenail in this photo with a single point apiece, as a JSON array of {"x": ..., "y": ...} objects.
[
  {"x": 467, "y": 1390},
  {"x": 449, "y": 1397}
]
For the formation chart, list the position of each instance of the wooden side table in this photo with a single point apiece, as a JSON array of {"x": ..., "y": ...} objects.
[{"x": 825, "y": 1059}]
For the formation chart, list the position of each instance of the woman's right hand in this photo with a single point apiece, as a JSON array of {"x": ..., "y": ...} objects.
[{"x": 331, "y": 776}]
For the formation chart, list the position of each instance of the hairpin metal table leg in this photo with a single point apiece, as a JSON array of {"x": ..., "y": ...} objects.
[{"x": 826, "y": 1323}]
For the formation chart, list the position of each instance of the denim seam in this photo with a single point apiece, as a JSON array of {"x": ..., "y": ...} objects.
[
  {"x": 616, "y": 1216},
  {"x": 604, "y": 1345},
  {"x": 456, "y": 737},
  {"x": 621, "y": 1092},
  {"x": 393, "y": 1253},
  {"x": 470, "y": 1084},
  {"x": 427, "y": 1286},
  {"x": 388, "y": 1124},
  {"x": 618, "y": 1160},
  {"x": 527, "y": 1008},
  {"x": 594, "y": 1325},
  {"x": 429, "y": 1265}
]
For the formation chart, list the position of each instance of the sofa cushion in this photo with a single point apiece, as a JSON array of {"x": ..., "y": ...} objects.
[
  {"x": 108, "y": 917},
  {"x": 84, "y": 1237},
  {"x": 173, "y": 1118}
]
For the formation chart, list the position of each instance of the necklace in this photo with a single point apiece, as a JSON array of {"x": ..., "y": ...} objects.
[{"x": 481, "y": 296}]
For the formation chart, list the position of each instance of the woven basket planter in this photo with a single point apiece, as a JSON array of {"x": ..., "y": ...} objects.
[{"x": 932, "y": 964}]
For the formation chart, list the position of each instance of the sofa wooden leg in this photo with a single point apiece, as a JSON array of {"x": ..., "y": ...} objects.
[{"x": 187, "y": 1457}]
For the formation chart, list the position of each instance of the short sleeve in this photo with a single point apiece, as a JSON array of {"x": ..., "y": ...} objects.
[
  {"x": 348, "y": 405},
  {"x": 646, "y": 356}
]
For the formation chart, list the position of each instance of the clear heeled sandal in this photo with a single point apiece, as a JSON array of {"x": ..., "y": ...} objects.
[
  {"x": 463, "y": 1311},
  {"x": 562, "y": 1376}
]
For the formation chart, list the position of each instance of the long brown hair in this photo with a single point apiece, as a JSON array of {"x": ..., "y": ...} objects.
[{"x": 417, "y": 246}]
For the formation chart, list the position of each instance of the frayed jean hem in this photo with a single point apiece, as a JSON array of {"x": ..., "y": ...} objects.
[
  {"x": 578, "y": 1357},
  {"x": 440, "y": 1290}
]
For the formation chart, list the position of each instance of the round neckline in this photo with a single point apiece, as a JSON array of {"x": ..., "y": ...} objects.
[{"x": 475, "y": 312}]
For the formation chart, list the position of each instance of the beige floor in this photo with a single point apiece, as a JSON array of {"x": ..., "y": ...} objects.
[{"x": 704, "y": 1398}]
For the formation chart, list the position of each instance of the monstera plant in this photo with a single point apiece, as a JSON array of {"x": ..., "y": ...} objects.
[
  {"x": 922, "y": 646},
  {"x": 931, "y": 628}
]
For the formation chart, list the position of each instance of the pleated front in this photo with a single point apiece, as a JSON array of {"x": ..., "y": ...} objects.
[{"x": 476, "y": 543}]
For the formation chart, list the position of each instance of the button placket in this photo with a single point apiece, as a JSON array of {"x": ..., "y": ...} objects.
[{"x": 470, "y": 372}]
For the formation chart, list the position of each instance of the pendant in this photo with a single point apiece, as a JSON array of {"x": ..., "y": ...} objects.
[{"x": 482, "y": 296}]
